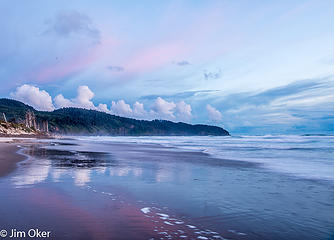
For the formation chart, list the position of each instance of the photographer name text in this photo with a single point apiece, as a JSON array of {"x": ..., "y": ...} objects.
[{"x": 31, "y": 233}]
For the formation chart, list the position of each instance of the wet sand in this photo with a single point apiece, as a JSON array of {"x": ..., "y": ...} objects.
[
  {"x": 87, "y": 190},
  {"x": 9, "y": 157}
]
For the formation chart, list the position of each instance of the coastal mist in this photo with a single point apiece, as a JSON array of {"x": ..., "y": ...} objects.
[{"x": 240, "y": 187}]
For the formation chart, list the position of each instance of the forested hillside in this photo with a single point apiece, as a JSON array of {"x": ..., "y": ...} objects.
[{"x": 75, "y": 121}]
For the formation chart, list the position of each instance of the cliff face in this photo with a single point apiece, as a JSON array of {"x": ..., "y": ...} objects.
[
  {"x": 31, "y": 121},
  {"x": 13, "y": 129}
]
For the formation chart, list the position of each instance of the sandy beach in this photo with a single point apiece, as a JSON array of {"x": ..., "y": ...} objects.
[
  {"x": 9, "y": 157},
  {"x": 148, "y": 188}
]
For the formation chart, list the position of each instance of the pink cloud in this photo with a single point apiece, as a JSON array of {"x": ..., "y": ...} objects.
[
  {"x": 68, "y": 67},
  {"x": 154, "y": 57},
  {"x": 76, "y": 63}
]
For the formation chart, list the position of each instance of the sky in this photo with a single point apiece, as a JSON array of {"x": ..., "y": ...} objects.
[{"x": 252, "y": 67}]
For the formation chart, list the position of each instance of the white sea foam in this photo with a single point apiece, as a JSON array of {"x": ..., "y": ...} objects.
[
  {"x": 168, "y": 223},
  {"x": 4, "y": 139},
  {"x": 237, "y": 233},
  {"x": 145, "y": 210},
  {"x": 163, "y": 215}
]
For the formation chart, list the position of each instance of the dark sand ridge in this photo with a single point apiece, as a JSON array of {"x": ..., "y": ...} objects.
[{"x": 9, "y": 157}]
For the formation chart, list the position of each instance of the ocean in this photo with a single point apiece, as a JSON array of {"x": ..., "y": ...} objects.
[
  {"x": 239, "y": 187},
  {"x": 310, "y": 157}
]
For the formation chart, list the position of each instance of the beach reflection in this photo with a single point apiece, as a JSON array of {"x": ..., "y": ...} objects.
[
  {"x": 43, "y": 162},
  {"x": 34, "y": 173},
  {"x": 163, "y": 175},
  {"x": 126, "y": 171},
  {"x": 81, "y": 177},
  {"x": 58, "y": 173},
  {"x": 60, "y": 164}
]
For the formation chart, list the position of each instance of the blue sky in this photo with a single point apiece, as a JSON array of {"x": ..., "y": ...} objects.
[{"x": 253, "y": 67}]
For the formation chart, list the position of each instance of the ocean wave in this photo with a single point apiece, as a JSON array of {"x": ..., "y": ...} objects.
[{"x": 302, "y": 156}]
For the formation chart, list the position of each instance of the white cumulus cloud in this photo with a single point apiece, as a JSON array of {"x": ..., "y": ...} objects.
[
  {"x": 102, "y": 107},
  {"x": 163, "y": 108},
  {"x": 39, "y": 99},
  {"x": 85, "y": 95},
  {"x": 83, "y": 99},
  {"x": 183, "y": 110},
  {"x": 121, "y": 108},
  {"x": 61, "y": 102},
  {"x": 213, "y": 113},
  {"x": 160, "y": 108},
  {"x": 138, "y": 110}
]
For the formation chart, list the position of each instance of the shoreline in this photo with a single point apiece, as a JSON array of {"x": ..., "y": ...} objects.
[
  {"x": 2, "y": 135},
  {"x": 9, "y": 157}
]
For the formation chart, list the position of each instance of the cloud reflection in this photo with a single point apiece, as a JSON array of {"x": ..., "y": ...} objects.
[
  {"x": 33, "y": 173},
  {"x": 81, "y": 177},
  {"x": 126, "y": 171}
]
